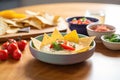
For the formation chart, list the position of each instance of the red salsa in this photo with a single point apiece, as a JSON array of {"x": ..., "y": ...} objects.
[
  {"x": 80, "y": 21},
  {"x": 100, "y": 28}
]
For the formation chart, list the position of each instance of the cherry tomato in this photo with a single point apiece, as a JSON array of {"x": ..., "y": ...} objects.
[
  {"x": 17, "y": 54},
  {"x": 12, "y": 46},
  {"x": 12, "y": 40},
  {"x": 79, "y": 22},
  {"x": 3, "y": 54},
  {"x": 5, "y": 45},
  {"x": 86, "y": 21},
  {"x": 22, "y": 44}
]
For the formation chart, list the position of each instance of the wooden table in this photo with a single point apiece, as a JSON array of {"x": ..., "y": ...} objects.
[{"x": 103, "y": 65}]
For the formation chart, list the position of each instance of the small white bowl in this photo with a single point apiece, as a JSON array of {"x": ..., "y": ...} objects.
[
  {"x": 110, "y": 45},
  {"x": 99, "y": 34}
]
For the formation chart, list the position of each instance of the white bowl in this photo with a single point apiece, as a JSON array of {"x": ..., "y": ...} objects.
[
  {"x": 99, "y": 34},
  {"x": 110, "y": 45},
  {"x": 61, "y": 59}
]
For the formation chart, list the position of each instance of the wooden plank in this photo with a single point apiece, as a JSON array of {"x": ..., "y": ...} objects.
[{"x": 32, "y": 33}]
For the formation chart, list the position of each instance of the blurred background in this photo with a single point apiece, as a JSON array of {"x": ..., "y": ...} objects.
[{"x": 8, "y": 4}]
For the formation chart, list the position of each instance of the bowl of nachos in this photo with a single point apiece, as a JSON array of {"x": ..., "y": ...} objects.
[{"x": 62, "y": 48}]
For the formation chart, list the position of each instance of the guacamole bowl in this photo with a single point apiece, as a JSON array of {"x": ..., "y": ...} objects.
[{"x": 61, "y": 59}]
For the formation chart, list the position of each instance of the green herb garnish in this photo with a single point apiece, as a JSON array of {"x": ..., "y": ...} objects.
[
  {"x": 56, "y": 46},
  {"x": 83, "y": 19}
]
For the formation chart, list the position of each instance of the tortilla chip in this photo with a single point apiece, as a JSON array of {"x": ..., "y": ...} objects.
[
  {"x": 86, "y": 41},
  {"x": 46, "y": 40},
  {"x": 48, "y": 17},
  {"x": 31, "y": 13},
  {"x": 34, "y": 22},
  {"x": 55, "y": 20},
  {"x": 12, "y": 30},
  {"x": 11, "y": 22},
  {"x": 84, "y": 44},
  {"x": 44, "y": 20},
  {"x": 36, "y": 43},
  {"x": 82, "y": 50},
  {"x": 3, "y": 26},
  {"x": 56, "y": 35},
  {"x": 72, "y": 36}
]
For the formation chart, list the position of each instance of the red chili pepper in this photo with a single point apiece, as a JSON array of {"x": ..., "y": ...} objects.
[{"x": 67, "y": 47}]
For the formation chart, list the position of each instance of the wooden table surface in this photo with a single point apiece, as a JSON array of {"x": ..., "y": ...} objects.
[{"x": 103, "y": 65}]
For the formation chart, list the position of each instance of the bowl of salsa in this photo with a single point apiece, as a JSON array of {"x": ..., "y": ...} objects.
[
  {"x": 100, "y": 29},
  {"x": 79, "y": 23}
]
